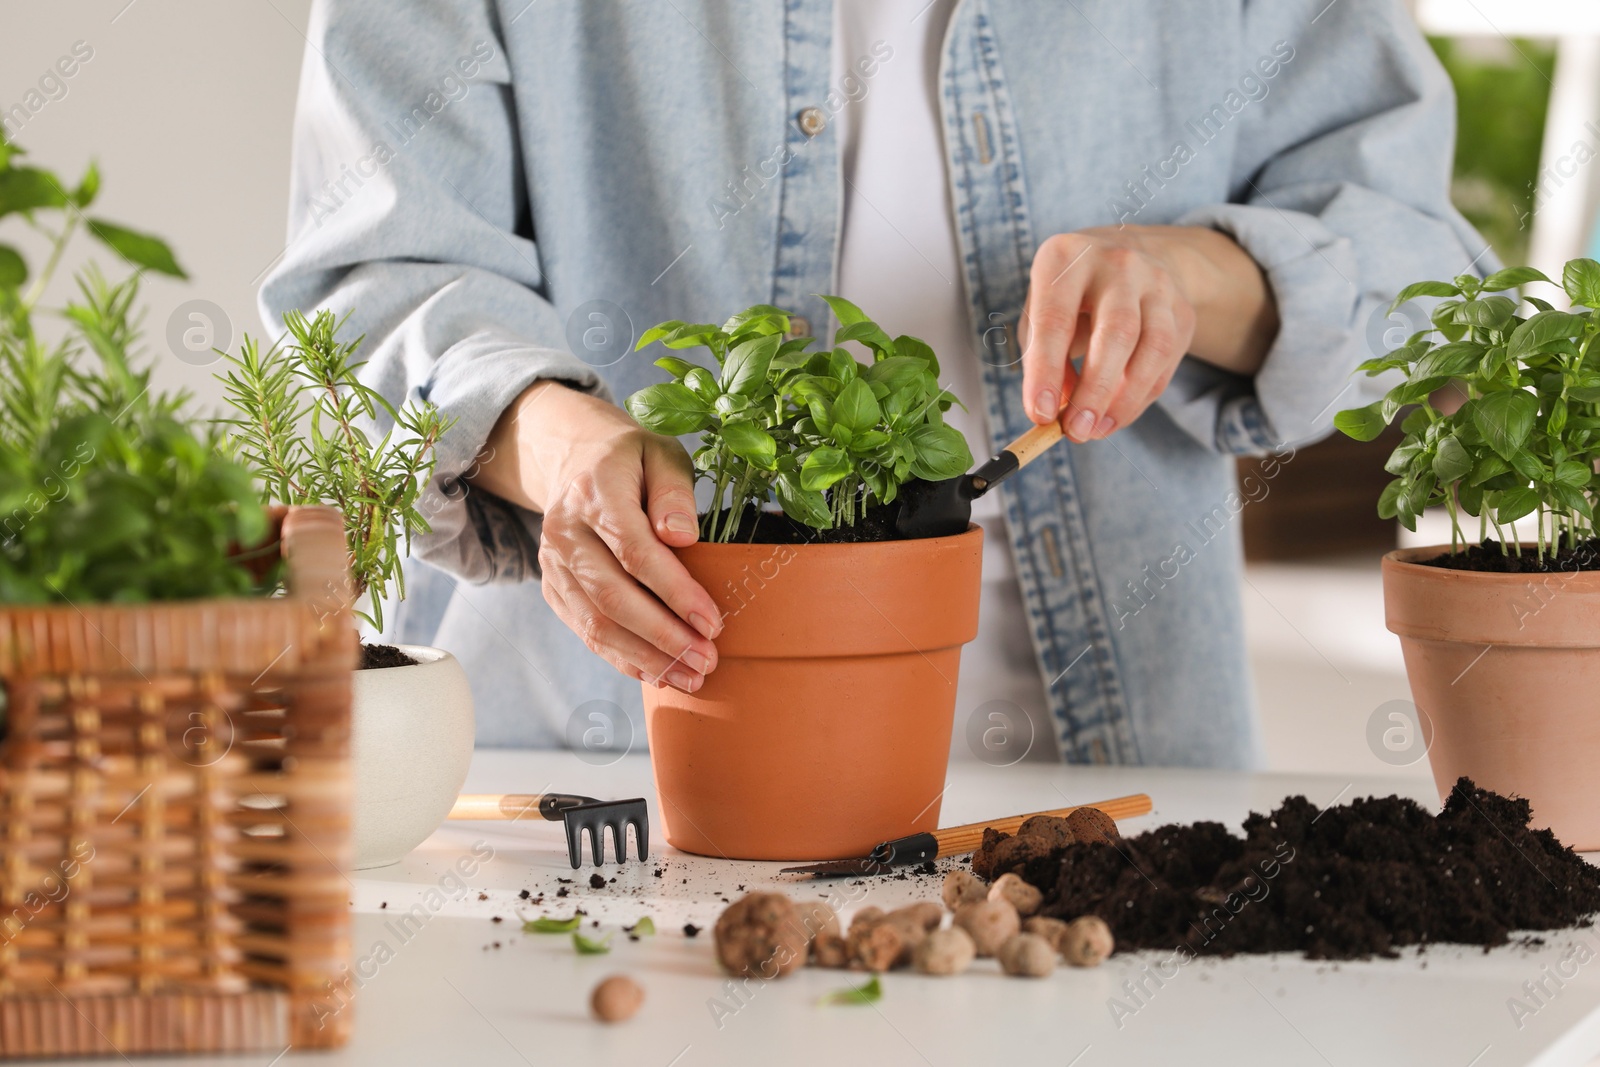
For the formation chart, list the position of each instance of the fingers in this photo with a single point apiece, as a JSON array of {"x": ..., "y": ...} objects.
[
  {"x": 1106, "y": 298},
  {"x": 620, "y": 622},
  {"x": 1049, "y": 324},
  {"x": 669, "y": 493}
]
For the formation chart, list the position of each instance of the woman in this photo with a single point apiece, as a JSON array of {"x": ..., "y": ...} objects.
[{"x": 1204, "y": 203}]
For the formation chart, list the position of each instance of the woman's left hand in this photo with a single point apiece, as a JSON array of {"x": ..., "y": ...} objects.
[{"x": 1131, "y": 302}]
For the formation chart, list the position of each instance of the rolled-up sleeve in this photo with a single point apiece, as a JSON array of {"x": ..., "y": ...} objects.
[
  {"x": 409, "y": 213},
  {"x": 1342, "y": 195}
]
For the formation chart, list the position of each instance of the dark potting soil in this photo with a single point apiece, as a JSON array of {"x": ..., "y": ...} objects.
[
  {"x": 1357, "y": 880},
  {"x": 376, "y": 656},
  {"x": 775, "y": 528},
  {"x": 1582, "y": 556}
]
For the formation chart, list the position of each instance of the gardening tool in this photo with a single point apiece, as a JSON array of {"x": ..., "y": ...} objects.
[
  {"x": 578, "y": 813},
  {"x": 955, "y": 840},
  {"x": 944, "y": 508}
]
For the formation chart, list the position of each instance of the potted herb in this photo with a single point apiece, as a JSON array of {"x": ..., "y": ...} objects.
[
  {"x": 301, "y": 419},
  {"x": 826, "y": 726},
  {"x": 1501, "y": 629}
]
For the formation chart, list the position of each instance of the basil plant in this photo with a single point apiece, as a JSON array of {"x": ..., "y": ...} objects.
[
  {"x": 821, "y": 433},
  {"x": 1526, "y": 438}
]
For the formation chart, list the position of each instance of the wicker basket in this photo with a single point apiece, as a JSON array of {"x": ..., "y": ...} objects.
[{"x": 175, "y": 796}]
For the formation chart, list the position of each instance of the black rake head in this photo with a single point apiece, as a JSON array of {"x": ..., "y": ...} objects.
[{"x": 599, "y": 816}]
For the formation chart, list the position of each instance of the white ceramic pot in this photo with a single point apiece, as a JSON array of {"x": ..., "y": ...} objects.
[{"x": 411, "y": 741}]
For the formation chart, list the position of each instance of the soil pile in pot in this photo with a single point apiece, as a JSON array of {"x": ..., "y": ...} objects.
[
  {"x": 1357, "y": 880},
  {"x": 376, "y": 656},
  {"x": 1489, "y": 557}
]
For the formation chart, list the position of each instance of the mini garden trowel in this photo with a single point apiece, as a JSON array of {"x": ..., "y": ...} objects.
[
  {"x": 944, "y": 508},
  {"x": 579, "y": 814},
  {"x": 955, "y": 840}
]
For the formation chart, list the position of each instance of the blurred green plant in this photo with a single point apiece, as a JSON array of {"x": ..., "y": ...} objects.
[
  {"x": 301, "y": 413},
  {"x": 1500, "y": 114},
  {"x": 826, "y": 435},
  {"x": 109, "y": 490}
]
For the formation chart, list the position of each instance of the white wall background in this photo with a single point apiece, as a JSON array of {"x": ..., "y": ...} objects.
[{"x": 187, "y": 106}]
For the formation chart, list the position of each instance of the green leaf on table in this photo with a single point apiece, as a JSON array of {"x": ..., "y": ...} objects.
[
  {"x": 139, "y": 249},
  {"x": 869, "y": 993},
  {"x": 645, "y": 927},
  {"x": 587, "y": 946},
  {"x": 546, "y": 925}
]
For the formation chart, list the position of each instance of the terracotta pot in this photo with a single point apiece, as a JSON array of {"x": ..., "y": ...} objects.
[
  {"x": 826, "y": 726},
  {"x": 1506, "y": 667}
]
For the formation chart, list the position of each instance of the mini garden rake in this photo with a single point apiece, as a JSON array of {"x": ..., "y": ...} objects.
[{"x": 578, "y": 813}]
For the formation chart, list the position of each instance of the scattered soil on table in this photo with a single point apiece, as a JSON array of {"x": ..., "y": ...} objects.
[
  {"x": 1358, "y": 880},
  {"x": 374, "y": 657},
  {"x": 1583, "y": 556}
]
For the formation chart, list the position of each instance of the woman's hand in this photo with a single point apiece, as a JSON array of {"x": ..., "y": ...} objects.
[
  {"x": 1132, "y": 301},
  {"x": 614, "y": 498}
]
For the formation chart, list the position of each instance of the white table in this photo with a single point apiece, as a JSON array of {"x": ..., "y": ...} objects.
[{"x": 442, "y": 995}]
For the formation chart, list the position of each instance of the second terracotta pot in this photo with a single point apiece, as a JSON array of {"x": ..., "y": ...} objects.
[
  {"x": 825, "y": 727},
  {"x": 1507, "y": 668}
]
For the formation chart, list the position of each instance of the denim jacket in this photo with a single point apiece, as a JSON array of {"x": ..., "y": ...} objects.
[{"x": 500, "y": 191}]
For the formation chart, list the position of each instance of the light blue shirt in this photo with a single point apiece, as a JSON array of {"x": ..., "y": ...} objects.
[{"x": 475, "y": 181}]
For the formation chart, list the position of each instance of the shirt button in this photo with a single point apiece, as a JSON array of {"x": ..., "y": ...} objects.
[
  {"x": 812, "y": 121},
  {"x": 798, "y": 327}
]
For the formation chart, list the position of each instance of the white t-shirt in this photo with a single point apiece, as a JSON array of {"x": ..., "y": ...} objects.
[{"x": 899, "y": 261}]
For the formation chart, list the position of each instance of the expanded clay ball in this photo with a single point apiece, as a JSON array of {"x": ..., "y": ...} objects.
[
  {"x": 816, "y": 919},
  {"x": 1022, "y": 896},
  {"x": 945, "y": 952},
  {"x": 924, "y": 914},
  {"x": 616, "y": 999},
  {"x": 830, "y": 950},
  {"x": 1087, "y": 941},
  {"x": 961, "y": 886},
  {"x": 1052, "y": 930},
  {"x": 1092, "y": 824},
  {"x": 1027, "y": 956},
  {"x": 990, "y": 922},
  {"x": 761, "y": 936}
]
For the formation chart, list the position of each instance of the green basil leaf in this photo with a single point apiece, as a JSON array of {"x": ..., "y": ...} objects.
[
  {"x": 1489, "y": 313},
  {"x": 1505, "y": 419},
  {"x": 896, "y": 372},
  {"x": 670, "y": 408},
  {"x": 869, "y": 334},
  {"x": 13, "y": 269},
  {"x": 1581, "y": 280},
  {"x": 750, "y": 442},
  {"x": 1363, "y": 424},
  {"x": 941, "y": 452},
  {"x": 759, "y": 318},
  {"x": 1512, "y": 504},
  {"x": 745, "y": 372},
  {"x": 846, "y": 312},
  {"x": 590, "y": 947},
  {"x": 1540, "y": 330},
  {"x": 1450, "y": 361},
  {"x": 1451, "y": 461},
  {"x": 802, "y": 505},
  {"x": 1572, "y": 472},
  {"x": 139, "y": 249},
  {"x": 1423, "y": 289},
  {"x": 856, "y": 408},
  {"x": 544, "y": 925},
  {"x": 1488, "y": 466},
  {"x": 917, "y": 348},
  {"x": 1511, "y": 278},
  {"x": 675, "y": 366},
  {"x": 655, "y": 333},
  {"x": 1389, "y": 499},
  {"x": 823, "y": 468},
  {"x": 869, "y": 993}
]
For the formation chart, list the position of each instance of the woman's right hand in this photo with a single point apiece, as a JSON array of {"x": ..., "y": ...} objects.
[{"x": 616, "y": 499}]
